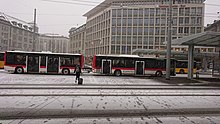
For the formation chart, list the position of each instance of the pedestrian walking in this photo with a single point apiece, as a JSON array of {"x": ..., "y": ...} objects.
[{"x": 78, "y": 72}]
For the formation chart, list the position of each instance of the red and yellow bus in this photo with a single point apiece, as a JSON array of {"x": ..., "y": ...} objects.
[
  {"x": 1, "y": 60},
  {"x": 41, "y": 62},
  {"x": 130, "y": 65}
]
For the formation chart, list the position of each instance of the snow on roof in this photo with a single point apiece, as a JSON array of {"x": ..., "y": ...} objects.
[
  {"x": 16, "y": 22},
  {"x": 43, "y": 52},
  {"x": 118, "y": 55}
]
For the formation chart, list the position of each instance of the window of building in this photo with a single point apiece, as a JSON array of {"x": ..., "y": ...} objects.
[
  {"x": 129, "y": 22},
  {"x": 117, "y": 49},
  {"x": 135, "y": 21},
  {"x": 193, "y": 30},
  {"x": 180, "y": 29},
  {"x": 119, "y": 13},
  {"x": 123, "y": 39},
  {"x": 113, "y": 21},
  {"x": 118, "y": 21},
  {"x": 124, "y": 31},
  {"x": 125, "y": 12},
  {"x": 118, "y": 30},
  {"x": 145, "y": 40},
  {"x": 175, "y": 11},
  {"x": 186, "y": 20},
  {"x": 181, "y": 20},
  {"x": 135, "y": 12},
  {"x": 135, "y": 31},
  {"x": 151, "y": 31},
  {"x": 112, "y": 49},
  {"x": 129, "y": 40},
  {"x": 140, "y": 30},
  {"x": 186, "y": 30},
  {"x": 129, "y": 30},
  {"x": 134, "y": 39},
  {"x": 146, "y": 30},
  {"x": 124, "y": 21},
  {"x": 187, "y": 11},
  {"x": 146, "y": 12},
  {"x": 113, "y": 13},
  {"x": 146, "y": 22},
  {"x": 141, "y": 12},
  {"x": 181, "y": 11},
  {"x": 140, "y": 40},
  {"x": 140, "y": 22},
  {"x": 129, "y": 12}
]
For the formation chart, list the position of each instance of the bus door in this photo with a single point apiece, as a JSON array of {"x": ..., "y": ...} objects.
[
  {"x": 53, "y": 64},
  {"x": 33, "y": 64},
  {"x": 139, "y": 67},
  {"x": 106, "y": 66}
]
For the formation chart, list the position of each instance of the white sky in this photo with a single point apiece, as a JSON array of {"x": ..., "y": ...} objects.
[{"x": 60, "y": 17}]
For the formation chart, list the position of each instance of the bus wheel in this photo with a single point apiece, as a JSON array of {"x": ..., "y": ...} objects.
[
  {"x": 158, "y": 74},
  {"x": 117, "y": 73},
  {"x": 66, "y": 71},
  {"x": 182, "y": 71},
  {"x": 19, "y": 70}
]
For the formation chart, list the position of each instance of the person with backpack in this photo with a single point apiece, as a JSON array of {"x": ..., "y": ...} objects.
[{"x": 78, "y": 72}]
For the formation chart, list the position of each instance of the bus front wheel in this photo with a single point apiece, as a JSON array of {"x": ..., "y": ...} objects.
[
  {"x": 19, "y": 70},
  {"x": 66, "y": 71},
  {"x": 118, "y": 73},
  {"x": 158, "y": 74}
]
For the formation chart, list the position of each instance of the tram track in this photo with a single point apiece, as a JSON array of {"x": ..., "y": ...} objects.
[
  {"x": 107, "y": 92},
  {"x": 108, "y": 87}
]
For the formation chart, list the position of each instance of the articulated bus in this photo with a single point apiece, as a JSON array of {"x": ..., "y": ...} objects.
[
  {"x": 41, "y": 62},
  {"x": 182, "y": 67},
  {"x": 1, "y": 60},
  {"x": 130, "y": 65}
]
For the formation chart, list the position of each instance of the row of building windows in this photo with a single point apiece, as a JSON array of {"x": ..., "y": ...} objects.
[
  {"x": 193, "y": 11},
  {"x": 156, "y": 21},
  {"x": 147, "y": 2},
  {"x": 153, "y": 30}
]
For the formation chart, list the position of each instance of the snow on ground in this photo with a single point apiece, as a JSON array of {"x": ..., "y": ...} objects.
[
  {"x": 210, "y": 119},
  {"x": 6, "y": 78},
  {"x": 115, "y": 108}
]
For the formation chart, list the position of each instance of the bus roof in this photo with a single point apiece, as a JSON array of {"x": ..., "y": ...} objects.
[
  {"x": 132, "y": 56},
  {"x": 42, "y": 53}
]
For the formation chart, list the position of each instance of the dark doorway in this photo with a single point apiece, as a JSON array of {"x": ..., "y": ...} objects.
[{"x": 139, "y": 68}]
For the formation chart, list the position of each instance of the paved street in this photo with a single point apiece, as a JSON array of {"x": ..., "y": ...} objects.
[{"x": 29, "y": 98}]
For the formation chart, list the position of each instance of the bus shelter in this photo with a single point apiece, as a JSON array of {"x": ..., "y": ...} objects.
[{"x": 208, "y": 39}]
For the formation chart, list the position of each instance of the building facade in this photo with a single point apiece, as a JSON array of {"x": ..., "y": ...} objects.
[
  {"x": 215, "y": 27},
  {"x": 77, "y": 39},
  {"x": 121, "y": 26},
  {"x": 52, "y": 42},
  {"x": 15, "y": 34}
]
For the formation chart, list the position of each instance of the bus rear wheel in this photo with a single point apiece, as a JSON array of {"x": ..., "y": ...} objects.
[
  {"x": 158, "y": 74},
  {"x": 182, "y": 71},
  {"x": 66, "y": 71},
  {"x": 117, "y": 73},
  {"x": 19, "y": 70}
]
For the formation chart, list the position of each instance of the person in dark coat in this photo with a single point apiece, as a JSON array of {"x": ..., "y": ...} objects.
[{"x": 78, "y": 72}]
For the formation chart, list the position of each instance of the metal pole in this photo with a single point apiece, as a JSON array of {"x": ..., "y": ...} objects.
[
  {"x": 34, "y": 35},
  {"x": 169, "y": 41}
]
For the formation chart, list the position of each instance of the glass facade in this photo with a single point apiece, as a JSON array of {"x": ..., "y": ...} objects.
[{"x": 121, "y": 29}]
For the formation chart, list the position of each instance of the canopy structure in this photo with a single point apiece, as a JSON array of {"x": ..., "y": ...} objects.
[
  {"x": 208, "y": 39},
  {"x": 173, "y": 53}
]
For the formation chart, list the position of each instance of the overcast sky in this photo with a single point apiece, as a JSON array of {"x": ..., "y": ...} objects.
[{"x": 58, "y": 18}]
